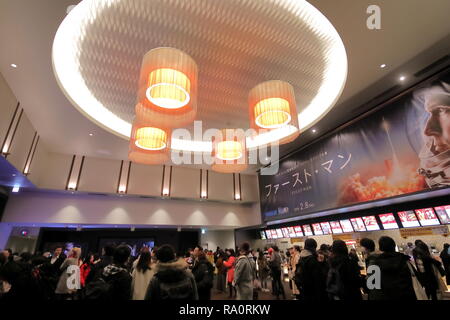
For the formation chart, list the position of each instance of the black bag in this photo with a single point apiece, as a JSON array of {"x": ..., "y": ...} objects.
[{"x": 96, "y": 290}]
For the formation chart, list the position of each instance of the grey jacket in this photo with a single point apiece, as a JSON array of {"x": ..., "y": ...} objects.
[{"x": 244, "y": 273}]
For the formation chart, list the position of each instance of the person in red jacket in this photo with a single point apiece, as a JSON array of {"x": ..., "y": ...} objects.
[
  {"x": 86, "y": 268},
  {"x": 230, "y": 264}
]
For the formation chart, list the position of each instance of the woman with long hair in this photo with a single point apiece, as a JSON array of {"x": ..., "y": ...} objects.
[
  {"x": 429, "y": 269},
  {"x": 344, "y": 278},
  {"x": 142, "y": 275}
]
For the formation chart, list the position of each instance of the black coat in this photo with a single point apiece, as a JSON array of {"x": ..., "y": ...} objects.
[
  {"x": 350, "y": 281},
  {"x": 396, "y": 280},
  {"x": 57, "y": 264},
  {"x": 119, "y": 279},
  {"x": 172, "y": 281},
  {"x": 310, "y": 278},
  {"x": 203, "y": 273}
]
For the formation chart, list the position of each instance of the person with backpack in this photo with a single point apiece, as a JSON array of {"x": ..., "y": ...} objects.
[
  {"x": 244, "y": 274},
  {"x": 310, "y": 274},
  {"x": 344, "y": 279},
  {"x": 172, "y": 280},
  {"x": 203, "y": 272}
]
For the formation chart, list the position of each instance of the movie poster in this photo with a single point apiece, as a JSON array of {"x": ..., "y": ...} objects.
[{"x": 403, "y": 148}]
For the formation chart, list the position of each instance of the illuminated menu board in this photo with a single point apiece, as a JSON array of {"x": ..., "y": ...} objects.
[
  {"x": 358, "y": 224},
  {"x": 298, "y": 231},
  {"x": 408, "y": 219},
  {"x": 443, "y": 213},
  {"x": 317, "y": 229},
  {"x": 263, "y": 235},
  {"x": 291, "y": 232},
  {"x": 326, "y": 228},
  {"x": 346, "y": 225},
  {"x": 371, "y": 223},
  {"x": 274, "y": 234},
  {"x": 335, "y": 227},
  {"x": 307, "y": 230},
  {"x": 268, "y": 234},
  {"x": 388, "y": 221},
  {"x": 285, "y": 232},
  {"x": 279, "y": 234},
  {"x": 427, "y": 217}
]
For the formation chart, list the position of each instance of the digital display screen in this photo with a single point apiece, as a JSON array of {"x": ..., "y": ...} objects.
[
  {"x": 408, "y": 219},
  {"x": 346, "y": 225},
  {"x": 358, "y": 224},
  {"x": 388, "y": 221},
  {"x": 427, "y": 217},
  {"x": 335, "y": 227},
  {"x": 268, "y": 234},
  {"x": 274, "y": 234},
  {"x": 317, "y": 229},
  {"x": 307, "y": 230},
  {"x": 326, "y": 228},
  {"x": 285, "y": 232},
  {"x": 443, "y": 213},
  {"x": 279, "y": 234},
  {"x": 291, "y": 232},
  {"x": 263, "y": 235},
  {"x": 371, "y": 223},
  {"x": 298, "y": 231}
]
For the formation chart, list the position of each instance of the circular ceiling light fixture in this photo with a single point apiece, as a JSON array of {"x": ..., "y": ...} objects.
[
  {"x": 149, "y": 138},
  {"x": 149, "y": 145},
  {"x": 272, "y": 107},
  {"x": 267, "y": 39},
  {"x": 229, "y": 151},
  {"x": 167, "y": 88}
]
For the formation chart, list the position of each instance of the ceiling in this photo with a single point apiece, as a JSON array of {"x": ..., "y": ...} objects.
[{"x": 408, "y": 27}]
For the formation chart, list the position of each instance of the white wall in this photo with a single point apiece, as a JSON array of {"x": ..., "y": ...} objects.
[
  {"x": 46, "y": 208},
  {"x": 5, "y": 231},
  {"x": 214, "y": 238}
]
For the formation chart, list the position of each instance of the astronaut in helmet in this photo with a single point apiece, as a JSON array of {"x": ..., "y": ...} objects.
[{"x": 435, "y": 154}]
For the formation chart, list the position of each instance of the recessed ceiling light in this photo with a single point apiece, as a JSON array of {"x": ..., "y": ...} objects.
[
  {"x": 383, "y": 66},
  {"x": 91, "y": 134},
  {"x": 13, "y": 174},
  {"x": 16, "y": 189},
  {"x": 314, "y": 130},
  {"x": 402, "y": 78},
  {"x": 13, "y": 65}
]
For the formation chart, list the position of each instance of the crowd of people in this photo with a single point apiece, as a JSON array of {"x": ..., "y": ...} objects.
[{"x": 331, "y": 272}]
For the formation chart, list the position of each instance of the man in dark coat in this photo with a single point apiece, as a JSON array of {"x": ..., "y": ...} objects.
[
  {"x": 203, "y": 272},
  {"x": 310, "y": 274},
  {"x": 117, "y": 275},
  {"x": 396, "y": 280}
]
